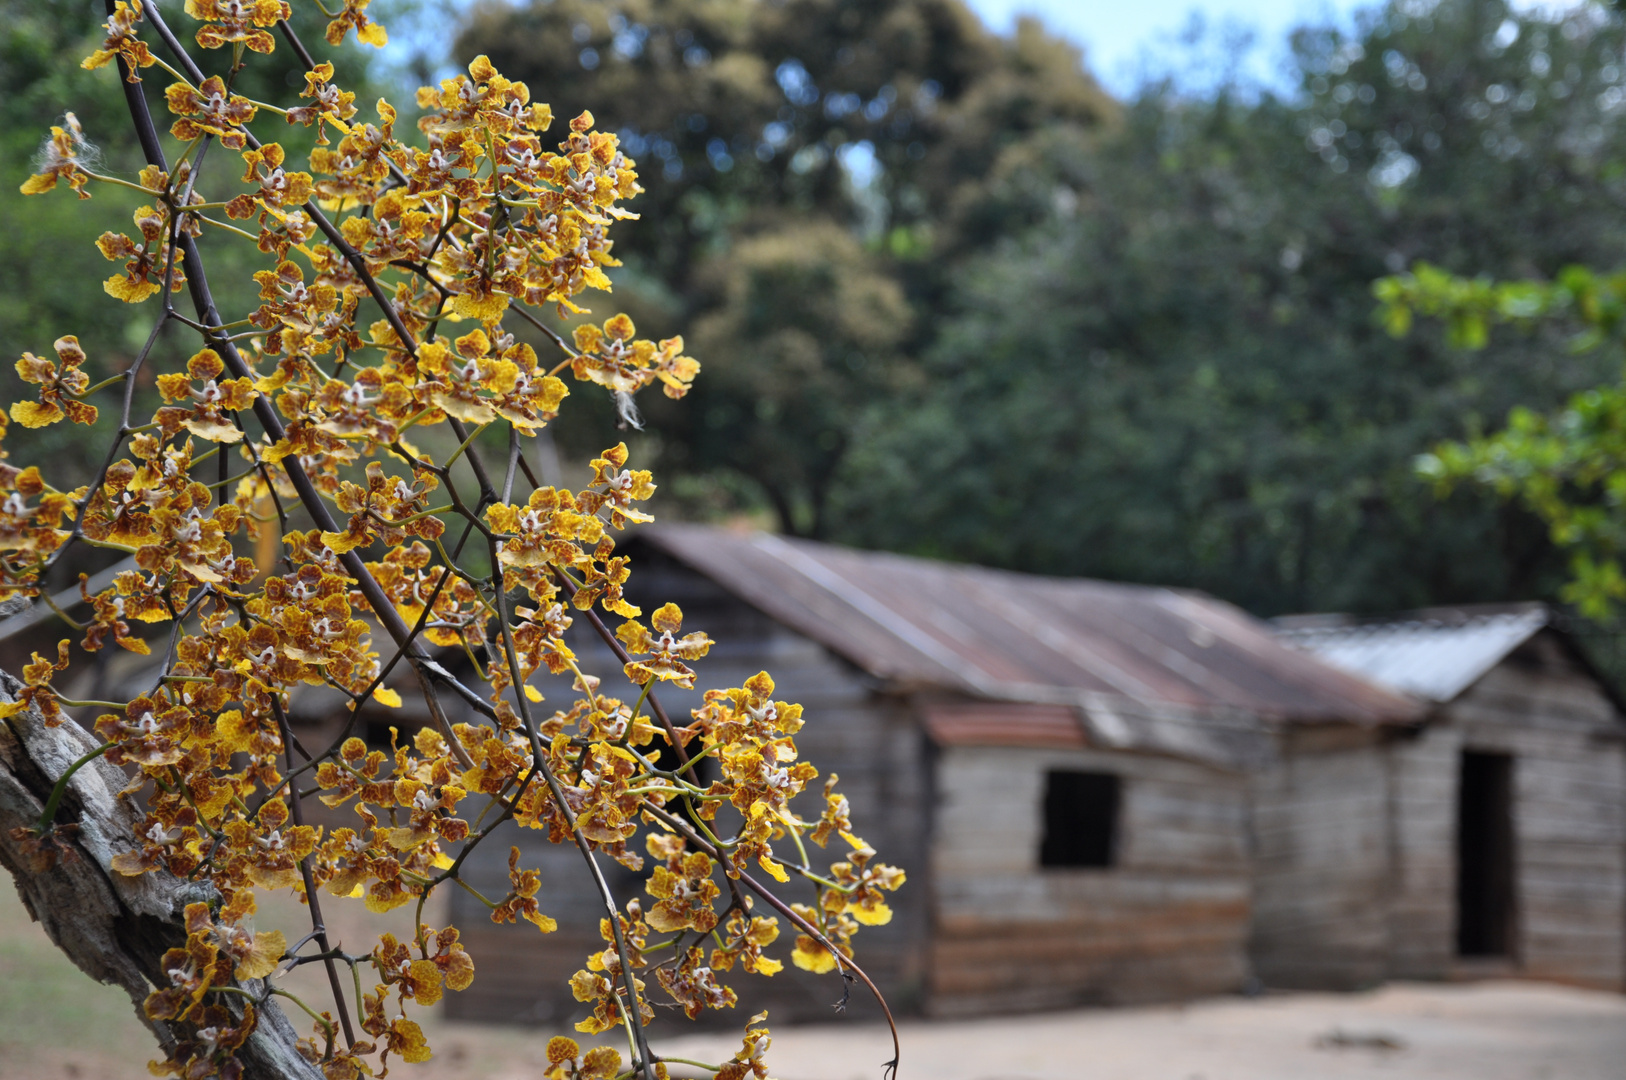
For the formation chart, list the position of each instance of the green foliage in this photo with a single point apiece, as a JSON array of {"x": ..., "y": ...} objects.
[
  {"x": 1569, "y": 467},
  {"x": 47, "y": 242},
  {"x": 803, "y": 337},
  {"x": 764, "y": 131},
  {"x": 41, "y": 44},
  {"x": 1140, "y": 339},
  {"x": 1469, "y": 308},
  {"x": 1178, "y": 378},
  {"x": 1142, "y": 336}
]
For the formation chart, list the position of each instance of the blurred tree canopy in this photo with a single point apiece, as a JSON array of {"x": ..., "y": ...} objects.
[
  {"x": 815, "y": 166},
  {"x": 41, "y": 45},
  {"x": 1131, "y": 341},
  {"x": 1179, "y": 377},
  {"x": 1568, "y": 467},
  {"x": 953, "y": 299}
]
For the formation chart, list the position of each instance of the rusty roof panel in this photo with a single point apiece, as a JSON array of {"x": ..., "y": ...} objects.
[
  {"x": 1005, "y": 635},
  {"x": 1001, "y": 723}
]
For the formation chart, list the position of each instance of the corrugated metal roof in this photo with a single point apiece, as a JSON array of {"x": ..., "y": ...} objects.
[
  {"x": 1431, "y": 655},
  {"x": 1126, "y": 655},
  {"x": 1003, "y": 723}
]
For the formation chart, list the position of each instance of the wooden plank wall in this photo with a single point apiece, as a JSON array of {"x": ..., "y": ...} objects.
[
  {"x": 869, "y": 739},
  {"x": 1569, "y": 810},
  {"x": 1168, "y": 922},
  {"x": 1424, "y": 770},
  {"x": 1321, "y": 861}
]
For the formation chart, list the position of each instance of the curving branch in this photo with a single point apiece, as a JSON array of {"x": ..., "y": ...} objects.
[
  {"x": 63, "y": 805},
  {"x": 114, "y": 928}
]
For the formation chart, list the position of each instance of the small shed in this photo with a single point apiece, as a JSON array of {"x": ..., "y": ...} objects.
[
  {"x": 1489, "y": 840},
  {"x": 1063, "y": 767}
]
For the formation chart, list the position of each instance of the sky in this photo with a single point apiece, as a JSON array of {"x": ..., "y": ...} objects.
[
  {"x": 1120, "y": 37},
  {"x": 1116, "y": 34}
]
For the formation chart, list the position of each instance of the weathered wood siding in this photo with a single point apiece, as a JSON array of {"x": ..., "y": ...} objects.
[
  {"x": 1167, "y": 922},
  {"x": 1424, "y": 771},
  {"x": 1320, "y": 832},
  {"x": 869, "y": 739},
  {"x": 1569, "y": 815}
]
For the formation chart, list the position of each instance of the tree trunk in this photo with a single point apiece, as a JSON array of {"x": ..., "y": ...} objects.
[{"x": 115, "y": 928}]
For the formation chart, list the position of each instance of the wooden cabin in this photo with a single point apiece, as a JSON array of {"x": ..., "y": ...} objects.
[
  {"x": 1490, "y": 840},
  {"x": 1109, "y": 793},
  {"x": 1063, "y": 767}
]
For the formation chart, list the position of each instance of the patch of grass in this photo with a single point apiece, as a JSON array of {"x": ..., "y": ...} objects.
[{"x": 54, "y": 1018}]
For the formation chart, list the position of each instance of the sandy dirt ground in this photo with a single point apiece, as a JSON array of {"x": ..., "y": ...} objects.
[
  {"x": 1483, "y": 1031},
  {"x": 57, "y": 1025}
]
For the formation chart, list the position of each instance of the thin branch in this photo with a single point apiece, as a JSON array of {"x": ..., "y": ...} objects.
[
  {"x": 198, "y": 285},
  {"x": 540, "y": 762},
  {"x": 318, "y": 926},
  {"x": 842, "y": 962}
]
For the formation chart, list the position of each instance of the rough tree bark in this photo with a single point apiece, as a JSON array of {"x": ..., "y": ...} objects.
[{"x": 115, "y": 928}]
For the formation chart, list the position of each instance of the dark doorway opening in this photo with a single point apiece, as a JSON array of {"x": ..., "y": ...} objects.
[
  {"x": 1485, "y": 917},
  {"x": 1080, "y": 819}
]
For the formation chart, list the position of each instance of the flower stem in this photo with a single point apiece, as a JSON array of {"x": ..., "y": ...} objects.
[{"x": 55, "y": 800}]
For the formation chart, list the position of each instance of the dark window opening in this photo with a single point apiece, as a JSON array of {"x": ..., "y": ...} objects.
[
  {"x": 664, "y": 755},
  {"x": 1485, "y": 914},
  {"x": 1080, "y": 819},
  {"x": 375, "y": 728}
]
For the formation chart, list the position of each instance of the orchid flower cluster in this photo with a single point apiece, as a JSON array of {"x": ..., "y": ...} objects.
[{"x": 399, "y": 277}]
